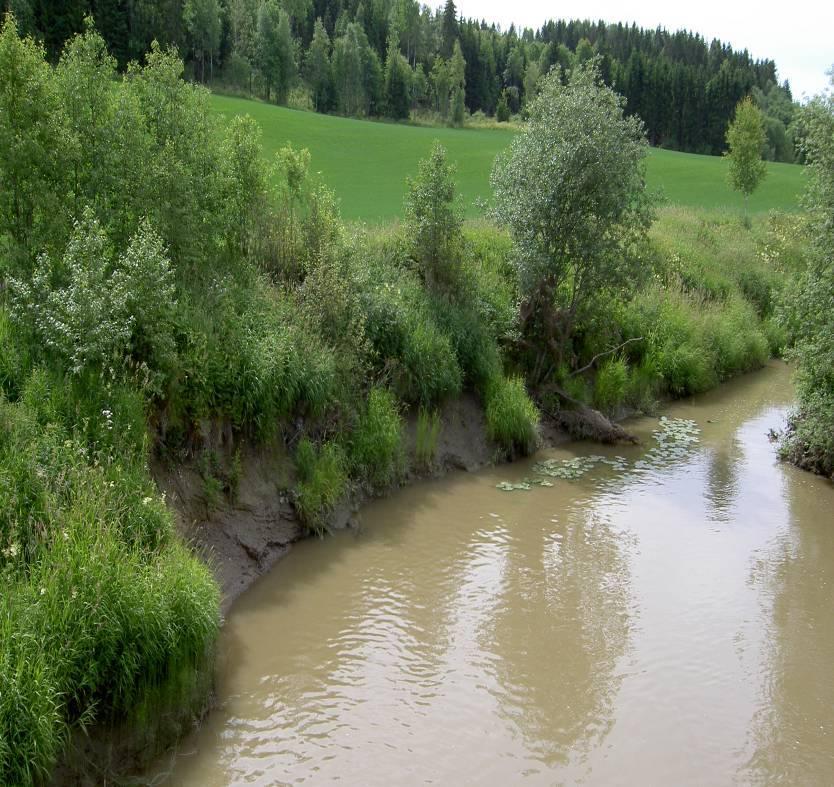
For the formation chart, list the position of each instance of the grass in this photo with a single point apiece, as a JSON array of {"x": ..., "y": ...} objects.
[{"x": 366, "y": 163}]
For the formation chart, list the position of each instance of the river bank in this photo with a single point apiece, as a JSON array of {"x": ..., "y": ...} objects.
[
  {"x": 242, "y": 540},
  {"x": 554, "y": 621}
]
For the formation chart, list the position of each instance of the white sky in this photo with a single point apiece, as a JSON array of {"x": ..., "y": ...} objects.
[{"x": 798, "y": 35}]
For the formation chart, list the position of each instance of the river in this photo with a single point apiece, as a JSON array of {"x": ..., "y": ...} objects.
[{"x": 665, "y": 618}]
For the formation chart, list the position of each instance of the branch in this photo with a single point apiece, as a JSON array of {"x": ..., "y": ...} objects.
[{"x": 607, "y": 352}]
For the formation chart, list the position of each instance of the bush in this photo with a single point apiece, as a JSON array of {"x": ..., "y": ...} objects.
[
  {"x": 433, "y": 217},
  {"x": 322, "y": 482},
  {"x": 106, "y": 313},
  {"x": 428, "y": 371},
  {"x": 376, "y": 442},
  {"x": 511, "y": 417}
]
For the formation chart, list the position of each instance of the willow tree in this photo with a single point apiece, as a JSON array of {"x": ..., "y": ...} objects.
[{"x": 571, "y": 190}]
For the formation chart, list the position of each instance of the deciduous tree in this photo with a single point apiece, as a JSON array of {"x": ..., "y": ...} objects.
[
  {"x": 571, "y": 190},
  {"x": 746, "y": 138}
]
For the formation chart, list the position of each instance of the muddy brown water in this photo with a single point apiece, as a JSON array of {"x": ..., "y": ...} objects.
[{"x": 670, "y": 623}]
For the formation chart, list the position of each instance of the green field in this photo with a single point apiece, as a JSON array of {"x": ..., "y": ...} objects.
[{"x": 366, "y": 163}]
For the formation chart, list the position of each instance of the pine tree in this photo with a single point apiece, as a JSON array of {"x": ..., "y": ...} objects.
[{"x": 448, "y": 29}]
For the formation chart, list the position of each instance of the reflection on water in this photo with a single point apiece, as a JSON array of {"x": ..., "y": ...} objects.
[{"x": 662, "y": 625}]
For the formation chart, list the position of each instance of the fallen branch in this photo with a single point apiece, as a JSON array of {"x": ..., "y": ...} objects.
[{"x": 585, "y": 423}]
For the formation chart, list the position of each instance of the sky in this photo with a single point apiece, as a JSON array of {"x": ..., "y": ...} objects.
[{"x": 798, "y": 35}]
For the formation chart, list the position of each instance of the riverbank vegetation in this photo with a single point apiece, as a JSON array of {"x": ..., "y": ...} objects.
[
  {"x": 156, "y": 278},
  {"x": 808, "y": 308}
]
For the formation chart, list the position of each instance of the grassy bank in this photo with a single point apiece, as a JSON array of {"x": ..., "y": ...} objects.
[
  {"x": 158, "y": 279},
  {"x": 366, "y": 163}
]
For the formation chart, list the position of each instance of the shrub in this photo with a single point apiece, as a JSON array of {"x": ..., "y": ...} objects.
[
  {"x": 105, "y": 313},
  {"x": 433, "y": 218},
  {"x": 322, "y": 482},
  {"x": 477, "y": 352},
  {"x": 376, "y": 442},
  {"x": 510, "y": 415}
]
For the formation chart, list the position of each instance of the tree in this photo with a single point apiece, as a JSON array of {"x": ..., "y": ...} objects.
[
  {"x": 440, "y": 86},
  {"x": 31, "y": 169},
  {"x": 202, "y": 21},
  {"x": 502, "y": 111},
  {"x": 746, "y": 138},
  {"x": 433, "y": 219},
  {"x": 397, "y": 84},
  {"x": 317, "y": 67},
  {"x": 448, "y": 28},
  {"x": 457, "y": 83},
  {"x": 571, "y": 190},
  {"x": 276, "y": 50}
]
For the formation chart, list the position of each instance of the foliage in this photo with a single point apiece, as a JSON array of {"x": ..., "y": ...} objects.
[
  {"x": 502, "y": 111},
  {"x": 275, "y": 50},
  {"x": 322, "y": 481},
  {"x": 397, "y": 84},
  {"x": 376, "y": 441},
  {"x": 511, "y": 417},
  {"x": 317, "y": 68},
  {"x": 746, "y": 138},
  {"x": 610, "y": 384},
  {"x": 433, "y": 219},
  {"x": 30, "y": 134},
  {"x": 807, "y": 310},
  {"x": 105, "y": 312},
  {"x": 571, "y": 189}
]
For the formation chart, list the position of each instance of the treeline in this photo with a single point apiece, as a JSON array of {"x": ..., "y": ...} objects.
[{"x": 392, "y": 57}]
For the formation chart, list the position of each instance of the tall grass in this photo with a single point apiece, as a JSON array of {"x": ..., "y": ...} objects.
[
  {"x": 98, "y": 595},
  {"x": 376, "y": 442},
  {"x": 510, "y": 415},
  {"x": 322, "y": 482},
  {"x": 426, "y": 437}
]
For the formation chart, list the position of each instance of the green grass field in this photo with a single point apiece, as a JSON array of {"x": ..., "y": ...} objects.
[{"x": 366, "y": 163}]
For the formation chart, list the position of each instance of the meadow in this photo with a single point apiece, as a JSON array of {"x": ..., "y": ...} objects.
[{"x": 366, "y": 162}]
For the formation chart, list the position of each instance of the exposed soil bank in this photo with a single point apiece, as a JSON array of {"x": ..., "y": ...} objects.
[{"x": 244, "y": 539}]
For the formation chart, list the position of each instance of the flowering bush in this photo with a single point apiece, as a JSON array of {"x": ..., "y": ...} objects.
[{"x": 90, "y": 311}]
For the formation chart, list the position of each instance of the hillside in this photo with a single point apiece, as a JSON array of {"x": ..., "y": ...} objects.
[{"x": 366, "y": 163}]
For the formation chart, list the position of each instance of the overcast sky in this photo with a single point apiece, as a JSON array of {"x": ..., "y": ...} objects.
[{"x": 798, "y": 35}]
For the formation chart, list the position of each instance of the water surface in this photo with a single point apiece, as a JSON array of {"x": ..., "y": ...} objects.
[{"x": 669, "y": 623}]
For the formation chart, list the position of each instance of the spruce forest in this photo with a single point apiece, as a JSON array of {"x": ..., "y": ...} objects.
[{"x": 388, "y": 58}]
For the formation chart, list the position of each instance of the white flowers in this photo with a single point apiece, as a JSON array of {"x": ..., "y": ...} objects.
[{"x": 11, "y": 551}]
